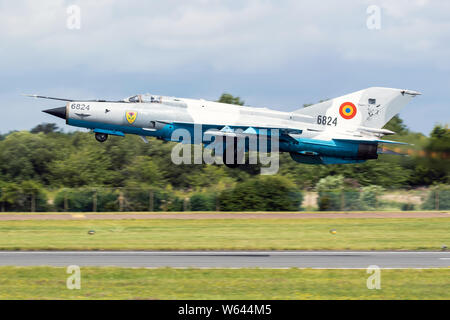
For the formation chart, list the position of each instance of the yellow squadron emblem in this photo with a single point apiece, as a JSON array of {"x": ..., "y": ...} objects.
[{"x": 131, "y": 116}]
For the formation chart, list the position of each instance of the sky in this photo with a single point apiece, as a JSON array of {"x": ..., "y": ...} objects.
[{"x": 279, "y": 54}]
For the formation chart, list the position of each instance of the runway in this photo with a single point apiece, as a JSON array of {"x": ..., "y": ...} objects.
[{"x": 229, "y": 259}]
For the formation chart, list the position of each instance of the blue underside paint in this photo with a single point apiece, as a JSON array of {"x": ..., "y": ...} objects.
[
  {"x": 111, "y": 132},
  {"x": 330, "y": 148},
  {"x": 300, "y": 158},
  {"x": 303, "y": 150},
  {"x": 98, "y": 126}
]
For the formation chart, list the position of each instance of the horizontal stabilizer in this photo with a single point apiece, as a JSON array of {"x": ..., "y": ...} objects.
[
  {"x": 372, "y": 141},
  {"x": 378, "y": 131}
]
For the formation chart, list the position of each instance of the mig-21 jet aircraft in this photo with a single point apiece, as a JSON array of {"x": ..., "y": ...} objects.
[{"x": 347, "y": 129}]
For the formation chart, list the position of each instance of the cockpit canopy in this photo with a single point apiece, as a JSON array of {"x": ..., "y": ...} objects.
[
  {"x": 144, "y": 98},
  {"x": 150, "y": 98}
]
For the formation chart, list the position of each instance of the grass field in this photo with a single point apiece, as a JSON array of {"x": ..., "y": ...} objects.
[
  {"x": 121, "y": 283},
  {"x": 212, "y": 212},
  {"x": 218, "y": 234}
]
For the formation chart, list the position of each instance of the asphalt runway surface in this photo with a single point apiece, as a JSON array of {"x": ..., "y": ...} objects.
[{"x": 229, "y": 259}]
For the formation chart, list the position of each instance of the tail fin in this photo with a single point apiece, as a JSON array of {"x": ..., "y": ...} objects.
[{"x": 371, "y": 108}]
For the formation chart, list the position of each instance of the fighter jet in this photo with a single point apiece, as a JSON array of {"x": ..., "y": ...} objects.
[{"x": 347, "y": 129}]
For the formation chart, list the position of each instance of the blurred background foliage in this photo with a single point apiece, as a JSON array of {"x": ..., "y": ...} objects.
[{"x": 48, "y": 169}]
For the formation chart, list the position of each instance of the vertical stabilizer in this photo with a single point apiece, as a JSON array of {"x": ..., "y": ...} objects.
[{"x": 371, "y": 108}]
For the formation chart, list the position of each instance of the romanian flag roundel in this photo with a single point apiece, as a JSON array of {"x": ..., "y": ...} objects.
[{"x": 347, "y": 110}]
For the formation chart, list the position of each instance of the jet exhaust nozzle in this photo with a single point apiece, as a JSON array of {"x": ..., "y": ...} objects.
[{"x": 57, "y": 112}]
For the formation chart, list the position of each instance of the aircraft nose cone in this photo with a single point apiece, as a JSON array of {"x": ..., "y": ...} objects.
[{"x": 57, "y": 112}]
